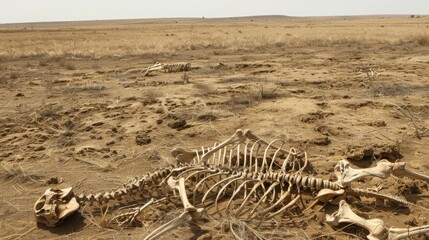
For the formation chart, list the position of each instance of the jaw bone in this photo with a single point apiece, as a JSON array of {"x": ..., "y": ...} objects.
[
  {"x": 376, "y": 228},
  {"x": 55, "y": 205},
  {"x": 346, "y": 174},
  {"x": 190, "y": 212}
]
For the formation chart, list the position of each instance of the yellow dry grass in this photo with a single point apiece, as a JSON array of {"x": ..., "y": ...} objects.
[{"x": 124, "y": 38}]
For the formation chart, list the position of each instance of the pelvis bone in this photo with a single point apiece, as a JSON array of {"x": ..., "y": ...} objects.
[
  {"x": 54, "y": 206},
  {"x": 346, "y": 174}
]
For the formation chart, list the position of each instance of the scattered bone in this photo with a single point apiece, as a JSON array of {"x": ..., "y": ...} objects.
[
  {"x": 346, "y": 174},
  {"x": 168, "y": 68},
  {"x": 190, "y": 212},
  {"x": 250, "y": 177},
  {"x": 129, "y": 218},
  {"x": 376, "y": 228}
]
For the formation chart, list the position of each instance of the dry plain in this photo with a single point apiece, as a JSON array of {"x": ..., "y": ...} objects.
[{"x": 76, "y": 110}]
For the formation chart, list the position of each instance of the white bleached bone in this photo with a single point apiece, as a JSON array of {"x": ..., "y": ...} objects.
[
  {"x": 346, "y": 174},
  {"x": 55, "y": 205},
  {"x": 169, "y": 67},
  {"x": 196, "y": 213},
  {"x": 331, "y": 196},
  {"x": 182, "y": 219},
  {"x": 240, "y": 136},
  {"x": 190, "y": 212},
  {"x": 376, "y": 228}
]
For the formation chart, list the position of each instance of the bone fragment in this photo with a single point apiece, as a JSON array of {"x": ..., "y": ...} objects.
[
  {"x": 190, "y": 212},
  {"x": 196, "y": 213},
  {"x": 344, "y": 214},
  {"x": 346, "y": 174},
  {"x": 376, "y": 228},
  {"x": 399, "y": 170},
  {"x": 182, "y": 219},
  {"x": 331, "y": 196}
]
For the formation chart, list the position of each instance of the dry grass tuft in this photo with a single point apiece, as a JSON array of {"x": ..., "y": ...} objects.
[
  {"x": 91, "y": 89},
  {"x": 15, "y": 171},
  {"x": 204, "y": 89},
  {"x": 244, "y": 99},
  {"x": 151, "y": 96},
  {"x": 418, "y": 124},
  {"x": 68, "y": 65},
  {"x": 267, "y": 93},
  {"x": 14, "y": 75},
  {"x": 422, "y": 40}
]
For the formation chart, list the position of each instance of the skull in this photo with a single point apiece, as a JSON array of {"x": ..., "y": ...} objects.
[{"x": 55, "y": 205}]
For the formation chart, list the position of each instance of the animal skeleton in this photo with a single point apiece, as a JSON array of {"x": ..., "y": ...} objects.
[
  {"x": 170, "y": 67},
  {"x": 244, "y": 177}
]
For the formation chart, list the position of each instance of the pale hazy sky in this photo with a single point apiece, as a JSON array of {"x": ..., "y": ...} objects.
[{"x": 67, "y": 10}]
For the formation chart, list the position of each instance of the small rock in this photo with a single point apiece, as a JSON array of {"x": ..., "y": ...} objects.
[
  {"x": 143, "y": 139},
  {"x": 159, "y": 121},
  {"x": 54, "y": 180},
  {"x": 88, "y": 128},
  {"x": 207, "y": 117},
  {"x": 110, "y": 143},
  {"x": 19, "y": 95},
  {"x": 378, "y": 123},
  {"x": 323, "y": 141},
  {"x": 39, "y": 148},
  {"x": 97, "y": 124},
  {"x": 178, "y": 124}
]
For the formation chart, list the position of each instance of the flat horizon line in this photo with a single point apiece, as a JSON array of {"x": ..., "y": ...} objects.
[{"x": 212, "y": 18}]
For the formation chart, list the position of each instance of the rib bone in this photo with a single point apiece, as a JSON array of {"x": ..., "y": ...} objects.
[
  {"x": 182, "y": 219},
  {"x": 346, "y": 174},
  {"x": 376, "y": 228}
]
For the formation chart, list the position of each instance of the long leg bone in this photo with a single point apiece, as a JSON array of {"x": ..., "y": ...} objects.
[
  {"x": 190, "y": 212},
  {"x": 196, "y": 213},
  {"x": 376, "y": 228},
  {"x": 346, "y": 174}
]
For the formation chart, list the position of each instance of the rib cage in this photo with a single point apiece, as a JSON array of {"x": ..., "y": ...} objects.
[
  {"x": 176, "y": 67},
  {"x": 249, "y": 155},
  {"x": 169, "y": 67},
  {"x": 244, "y": 178},
  {"x": 230, "y": 173},
  {"x": 250, "y": 172}
]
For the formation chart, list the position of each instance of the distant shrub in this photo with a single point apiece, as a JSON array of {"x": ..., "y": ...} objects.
[{"x": 422, "y": 40}]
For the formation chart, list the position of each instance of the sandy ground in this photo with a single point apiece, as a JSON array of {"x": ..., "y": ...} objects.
[{"x": 94, "y": 122}]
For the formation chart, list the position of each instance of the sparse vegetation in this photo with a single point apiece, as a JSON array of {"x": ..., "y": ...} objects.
[
  {"x": 151, "y": 96},
  {"x": 74, "y": 103},
  {"x": 151, "y": 41},
  {"x": 419, "y": 125}
]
